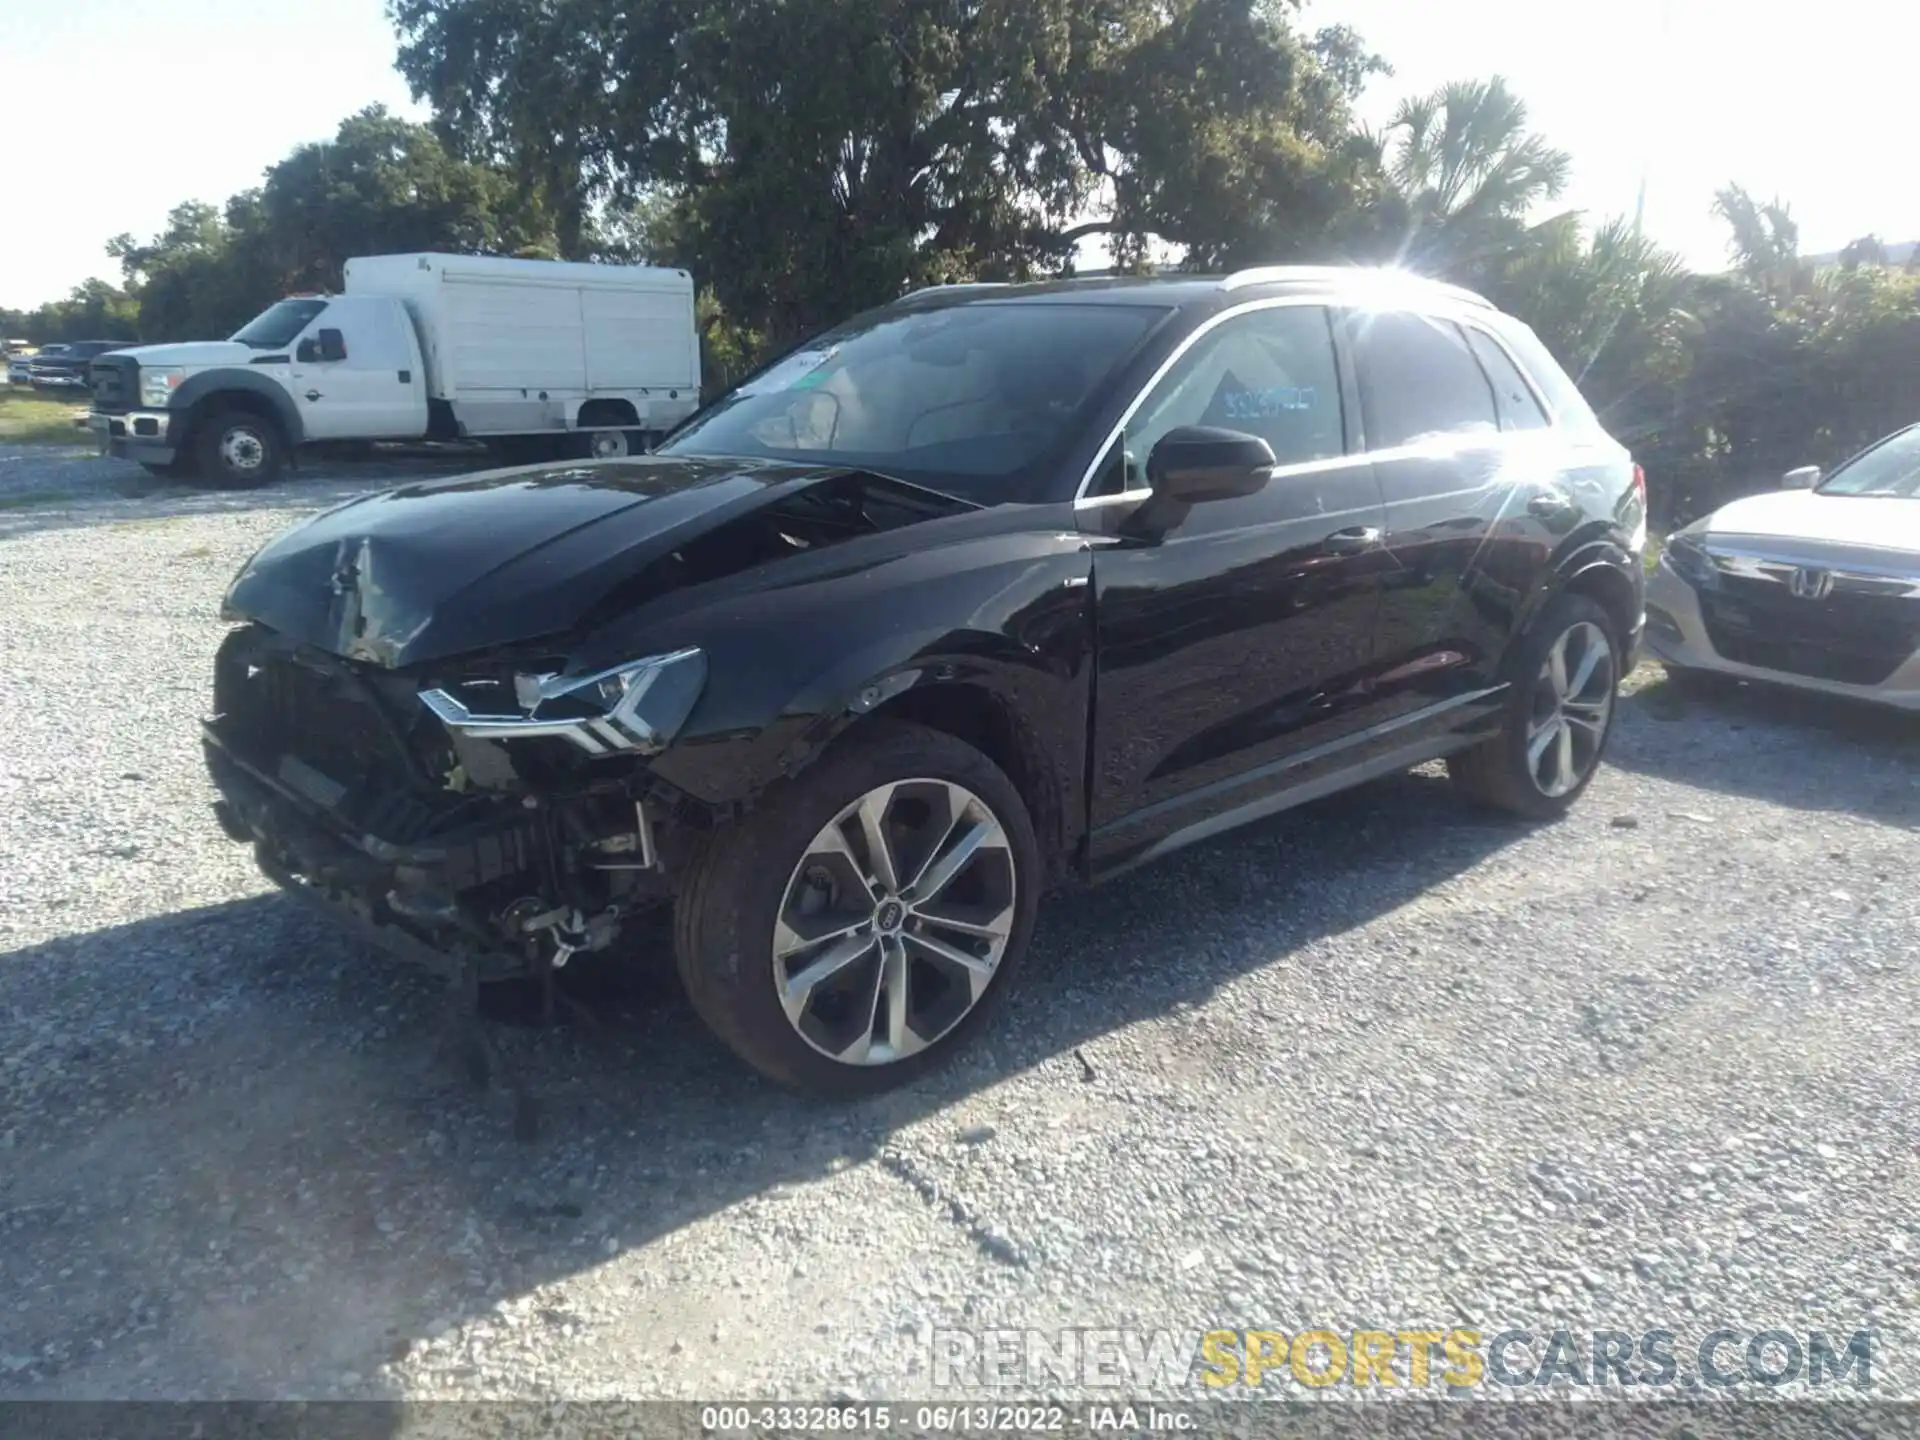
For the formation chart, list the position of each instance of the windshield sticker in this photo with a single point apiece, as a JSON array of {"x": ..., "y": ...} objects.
[
  {"x": 1264, "y": 404},
  {"x": 796, "y": 372}
]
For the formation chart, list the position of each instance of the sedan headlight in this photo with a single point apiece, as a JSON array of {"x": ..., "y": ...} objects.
[
  {"x": 636, "y": 707},
  {"x": 158, "y": 384},
  {"x": 1689, "y": 560}
]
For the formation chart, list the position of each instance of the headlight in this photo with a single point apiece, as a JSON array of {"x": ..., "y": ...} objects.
[
  {"x": 158, "y": 384},
  {"x": 636, "y": 707},
  {"x": 1690, "y": 562}
]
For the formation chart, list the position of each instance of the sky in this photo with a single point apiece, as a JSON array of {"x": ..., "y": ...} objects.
[{"x": 138, "y": 105}]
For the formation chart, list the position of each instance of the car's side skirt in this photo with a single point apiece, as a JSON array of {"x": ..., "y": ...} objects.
[{"x": 1399, "y": 744}]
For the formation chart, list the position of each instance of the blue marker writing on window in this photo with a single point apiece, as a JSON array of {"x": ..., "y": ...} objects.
[{"x": 1264, "y": 404}]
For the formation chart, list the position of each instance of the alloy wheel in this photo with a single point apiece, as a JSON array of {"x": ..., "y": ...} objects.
[
  {"x": 607, "y": 444},
  {"x": 894, "y": 922},
  {"x": 1572, "y": 703}
]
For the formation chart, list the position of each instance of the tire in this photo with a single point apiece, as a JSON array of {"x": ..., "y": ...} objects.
[
  {"x": 226, "y": 440},
  {"x": 768, "y": 868},
  {"x": 599, "y": 444},
  {"x": 1502, "y": 773},
  {"x": 178, "y": 468}
]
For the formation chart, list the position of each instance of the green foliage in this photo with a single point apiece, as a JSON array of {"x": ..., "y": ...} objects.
[
  {"x": 814, "y": 157},
  {"x": 381, "y": 185}
]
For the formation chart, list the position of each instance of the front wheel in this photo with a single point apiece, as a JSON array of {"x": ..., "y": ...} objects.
[
  {"x": 857, "y": 929},
  {"x": 239, "y": 450},
  {"x": 1566, "y": 686}
]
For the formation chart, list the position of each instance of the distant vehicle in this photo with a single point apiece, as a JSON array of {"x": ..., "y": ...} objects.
[
  {"x": 64, "y": 367},
  {"x": 986, "y": 590},
  {"x": 20, "y": 366},
  {"x": 1817, "y": 587},
  {"x": 538, "y": 356}
]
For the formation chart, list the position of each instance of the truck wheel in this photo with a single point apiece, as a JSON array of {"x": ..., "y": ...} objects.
[
  {"x": 239, "y": 450},
  {"x": 859, "y": 927},
  {"x": 605, "y": 444}
]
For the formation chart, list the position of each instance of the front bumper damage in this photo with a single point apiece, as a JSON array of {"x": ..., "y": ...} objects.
[
  {"x": 455, "y": 850},
  {"x": 399, "y": 898}
]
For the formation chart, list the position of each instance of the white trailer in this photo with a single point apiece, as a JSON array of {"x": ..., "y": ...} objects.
[{"x": 535, "y": 346}]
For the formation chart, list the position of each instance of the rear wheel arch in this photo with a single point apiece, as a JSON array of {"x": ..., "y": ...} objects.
[
  {"x": 607, "y": 415},
  {"x": 1605, "y": 584}
]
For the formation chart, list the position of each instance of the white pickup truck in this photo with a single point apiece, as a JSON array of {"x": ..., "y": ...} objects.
[{"x": 537, "y": 357}]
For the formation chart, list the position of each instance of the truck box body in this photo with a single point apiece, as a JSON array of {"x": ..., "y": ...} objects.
[{"x": 520, "y": 345}]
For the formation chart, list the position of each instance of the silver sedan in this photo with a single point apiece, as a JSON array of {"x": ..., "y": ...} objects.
[{"x": 1816, "y": 586}]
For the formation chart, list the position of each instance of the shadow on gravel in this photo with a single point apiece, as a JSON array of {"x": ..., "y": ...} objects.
[
  {"x": 249, "y": 1174},
  {"x": 1796, "y": 748}
]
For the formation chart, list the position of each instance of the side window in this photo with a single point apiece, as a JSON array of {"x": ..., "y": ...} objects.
[
  {"x": 1418, "y": 380},
  {"x": 1270, "y": 373},
  {"x": 1519, "y": 409}
]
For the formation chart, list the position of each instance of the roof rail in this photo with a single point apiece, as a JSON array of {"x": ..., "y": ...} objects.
[
  {"x": 955, "y": 288},
  {"x": 1272, "y": 274}
]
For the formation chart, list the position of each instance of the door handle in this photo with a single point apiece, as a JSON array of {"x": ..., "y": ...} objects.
[
  {"x": 313, "y": 394},
  {"x": 1353, "y": 541},
  {"x": 1546, "y": 506}
]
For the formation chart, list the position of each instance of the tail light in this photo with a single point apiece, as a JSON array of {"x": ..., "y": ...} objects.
[{"x": 1640, "y": 483}]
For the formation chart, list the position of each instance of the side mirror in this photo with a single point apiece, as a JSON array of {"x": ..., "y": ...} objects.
[
  {"x": 1198, "y": 463},
  {"x": 1805, "y": 478},
  {"x": 333, "y": 345},
  {"x": 306, "y": 352}
]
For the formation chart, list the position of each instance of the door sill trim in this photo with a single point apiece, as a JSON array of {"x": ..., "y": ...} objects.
[{"x": 1403, "y": 757}]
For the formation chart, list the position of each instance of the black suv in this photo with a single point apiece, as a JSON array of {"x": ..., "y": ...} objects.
[{"x": 987, "y": 590}]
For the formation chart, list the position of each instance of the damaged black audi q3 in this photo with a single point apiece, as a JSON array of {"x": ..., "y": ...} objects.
[{"x": 987, "y": 591}]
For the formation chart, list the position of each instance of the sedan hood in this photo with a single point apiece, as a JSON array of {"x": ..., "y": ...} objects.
[
  {"x": 1829, "y": 522},
  {"x": 449, "y": 567}
]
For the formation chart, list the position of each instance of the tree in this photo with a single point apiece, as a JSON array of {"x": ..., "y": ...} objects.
[
  {"x": 1867, "y": 250},
  {"x": 1468, "y": 174},
  {"x": 381, "y": 185},
  {"x": 819, "y": 156}
]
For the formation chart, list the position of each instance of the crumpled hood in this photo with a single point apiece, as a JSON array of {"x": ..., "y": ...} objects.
[
  {"x": 447, "y": 567},
  {"x": 201, "y": 354},
  {"x": 1865, "y": 522}
]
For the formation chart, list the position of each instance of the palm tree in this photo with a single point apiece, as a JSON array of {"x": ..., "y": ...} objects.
[
  {"x": 1765, "y": 245},
  {"x": 1468, "y": 171}
]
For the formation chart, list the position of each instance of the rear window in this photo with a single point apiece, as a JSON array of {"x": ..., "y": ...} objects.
[
  {"x": 1418, "y": 380},
  {"x": 1518, "y": 406},
  {"x": 1570, "y": 407}
]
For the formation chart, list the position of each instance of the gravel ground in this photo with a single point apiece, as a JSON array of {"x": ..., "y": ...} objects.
[{"x": 1383, "y": 1062}]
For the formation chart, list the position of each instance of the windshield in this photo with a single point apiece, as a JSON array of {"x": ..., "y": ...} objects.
[
  {"x": 278, "y": 324},
  {"x": 969, "y": 400},
  {"x": 1890, "y": 468}
]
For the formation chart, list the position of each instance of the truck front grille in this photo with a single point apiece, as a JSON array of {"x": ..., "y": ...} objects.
[{"x": 115, "y": 382}]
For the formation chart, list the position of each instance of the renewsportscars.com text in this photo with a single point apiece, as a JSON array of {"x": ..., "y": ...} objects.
[{"x": 1036, "y": 1362}]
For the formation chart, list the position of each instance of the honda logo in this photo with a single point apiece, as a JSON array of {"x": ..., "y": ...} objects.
[{"x": 1809, "y": 584}]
